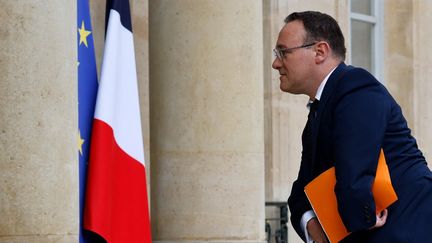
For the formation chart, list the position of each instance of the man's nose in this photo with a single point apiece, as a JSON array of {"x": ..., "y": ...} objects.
[{"x": 276, "y": 63}]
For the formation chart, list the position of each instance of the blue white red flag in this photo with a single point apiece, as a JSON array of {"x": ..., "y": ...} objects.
[{"x": 116, "y": 199}]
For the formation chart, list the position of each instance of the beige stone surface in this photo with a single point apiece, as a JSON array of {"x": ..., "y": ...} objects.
[
  {"x": 422, "y": 77},
  {"x": 139, "y": 11},
  {"x": 398, "y": 54},
  {"x": 38, "y": 119},
  {"x": 61, "y": 238},
  {"x": 325, "y": 6},
  {"x": 206, "y": 97},
  {"x": 208, "y": 195},
  {"x": 97, "y": 14}
]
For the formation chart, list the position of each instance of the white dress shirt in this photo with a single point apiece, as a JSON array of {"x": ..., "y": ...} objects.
[{"x": 308, "y": 215}]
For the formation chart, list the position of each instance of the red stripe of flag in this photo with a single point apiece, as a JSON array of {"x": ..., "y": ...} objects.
[{"x": 117, "y": 193}]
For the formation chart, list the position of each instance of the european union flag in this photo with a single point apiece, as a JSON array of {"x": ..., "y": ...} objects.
[{"x": 87, "y": 92}]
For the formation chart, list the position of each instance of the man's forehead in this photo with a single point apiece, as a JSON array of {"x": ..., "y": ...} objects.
[{"x": 291, "y": 33}]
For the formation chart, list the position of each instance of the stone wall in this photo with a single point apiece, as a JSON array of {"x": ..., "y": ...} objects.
[{"x": 38, "y": 121}]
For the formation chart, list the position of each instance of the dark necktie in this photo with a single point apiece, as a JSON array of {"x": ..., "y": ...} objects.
[
  {"x": 313, "y": 110},
  {"x": 307, "y": 136},
  {"x": 312, "y": 118}
]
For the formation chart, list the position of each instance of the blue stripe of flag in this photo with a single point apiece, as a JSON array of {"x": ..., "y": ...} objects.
[
  {"x": 122, "y": 7},
  {"x": 87, "y": 92}
]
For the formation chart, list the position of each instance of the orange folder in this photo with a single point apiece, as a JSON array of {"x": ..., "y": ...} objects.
[{"x": 322, "y": 197}]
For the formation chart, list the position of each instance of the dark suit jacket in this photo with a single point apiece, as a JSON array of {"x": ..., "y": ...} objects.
[{"x": 356, "y": 117}]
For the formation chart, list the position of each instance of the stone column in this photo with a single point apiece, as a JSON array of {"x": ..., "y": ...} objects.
[
  {"x": 399, "y": 54},
  {"x": 422, "y": 86},
  {"x": 38, "y": 121},
  {"x": 206, "y": 120}
]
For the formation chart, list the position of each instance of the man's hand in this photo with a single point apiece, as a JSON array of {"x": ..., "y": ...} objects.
[
  {"x": 315, "y": 231},
  {"x": 381, "y": 219}
]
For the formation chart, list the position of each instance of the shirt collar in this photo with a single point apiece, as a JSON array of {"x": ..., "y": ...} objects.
[
  {"x": 322, "y": 85},
  {"x": 321, "y": 88}
]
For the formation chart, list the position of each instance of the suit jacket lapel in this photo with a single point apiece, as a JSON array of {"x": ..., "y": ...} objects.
[{"x": 334, "y": 78}]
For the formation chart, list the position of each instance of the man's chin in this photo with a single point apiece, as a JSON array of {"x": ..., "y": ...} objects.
[
  {"x": 288, "y": 89},
  {"x": 285, "y": 88}
]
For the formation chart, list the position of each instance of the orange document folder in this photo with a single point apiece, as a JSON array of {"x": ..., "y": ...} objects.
[{"x": 322, "y": 197}]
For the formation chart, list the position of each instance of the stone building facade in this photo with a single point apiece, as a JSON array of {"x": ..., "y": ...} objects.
[{"x": 220, "y": 137}]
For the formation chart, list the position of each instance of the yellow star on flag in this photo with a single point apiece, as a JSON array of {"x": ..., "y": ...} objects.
[
  {"x": 83, "y": 34},
  {"x": 80, "y": 142}
]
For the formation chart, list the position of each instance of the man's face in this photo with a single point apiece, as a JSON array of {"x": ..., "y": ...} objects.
[{"x": 295, "y": 66}]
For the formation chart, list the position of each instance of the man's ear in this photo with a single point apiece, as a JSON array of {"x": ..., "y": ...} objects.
[{"x": 322, "y": 51}]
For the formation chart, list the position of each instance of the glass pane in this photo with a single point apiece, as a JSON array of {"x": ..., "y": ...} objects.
[
  {"x": 361, "y": 44},
  {"x": 361, "y": 6}
]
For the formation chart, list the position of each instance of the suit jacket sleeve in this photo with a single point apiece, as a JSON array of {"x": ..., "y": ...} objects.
[{"x": 360, "y": 118}]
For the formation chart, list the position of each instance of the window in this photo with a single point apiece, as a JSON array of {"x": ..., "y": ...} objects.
[{"x": 366, "y": 18}]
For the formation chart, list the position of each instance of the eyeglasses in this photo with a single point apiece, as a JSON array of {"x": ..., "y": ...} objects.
[{"x": 280, "y": 53}]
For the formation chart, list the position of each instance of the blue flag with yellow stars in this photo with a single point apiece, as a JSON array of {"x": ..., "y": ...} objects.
[{"x": 87, "y": 92}]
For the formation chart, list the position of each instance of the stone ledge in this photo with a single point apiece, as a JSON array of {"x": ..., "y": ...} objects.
[{"x": 49, "y": 238}]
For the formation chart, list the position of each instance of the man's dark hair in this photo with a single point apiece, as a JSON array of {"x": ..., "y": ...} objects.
[{"x": 321, "y": 27}]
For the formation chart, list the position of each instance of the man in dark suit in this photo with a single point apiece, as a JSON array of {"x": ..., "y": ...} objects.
[{"x": 352, "y": 117}]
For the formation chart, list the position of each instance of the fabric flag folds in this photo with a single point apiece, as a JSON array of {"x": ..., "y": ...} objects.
[
  {"x": 116, "y": 198},
  {"x": 87, "y": 91}
]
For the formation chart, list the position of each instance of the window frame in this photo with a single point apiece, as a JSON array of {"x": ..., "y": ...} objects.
[{"x": 376, "y": 19}]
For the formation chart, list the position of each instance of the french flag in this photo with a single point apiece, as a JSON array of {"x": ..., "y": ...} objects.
[{"x": 116, "y": 204}]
